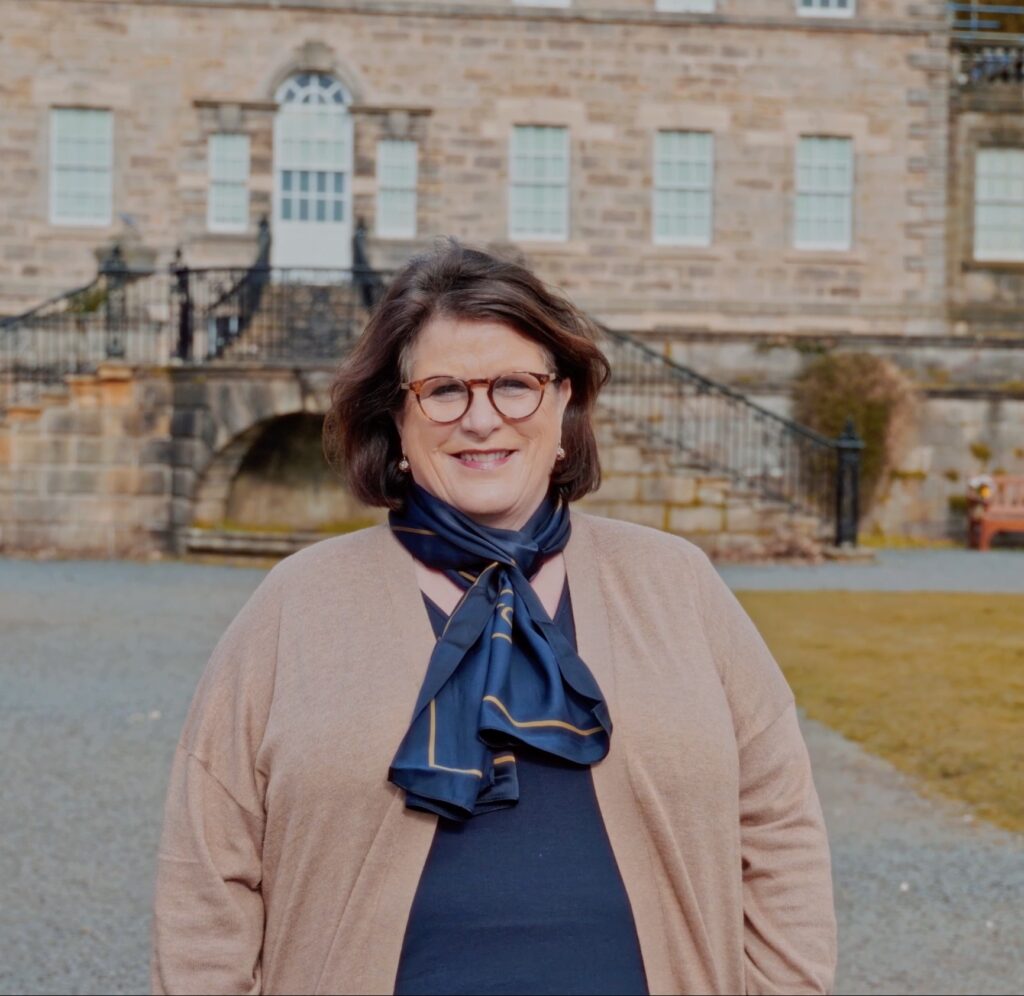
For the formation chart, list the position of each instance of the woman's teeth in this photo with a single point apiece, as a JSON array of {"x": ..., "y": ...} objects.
[{"x": 492, "y": 457}]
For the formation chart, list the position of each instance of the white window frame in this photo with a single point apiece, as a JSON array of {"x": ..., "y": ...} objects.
[
  {"x": 660, "y": 185},
  {"x": 685, "y": 6},
  {"x": 407, "y": 231},
  {"x": 810, "y": 244},
  {"x": 981, "y": 252},
  {"x": 525, "y": 235},
  {"x": 826, "y": 11},
  {"x": 77, "y": 221},
  {"x": 214, "y": 180}
]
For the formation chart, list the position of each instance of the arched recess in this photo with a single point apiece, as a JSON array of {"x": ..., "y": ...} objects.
[
  {"x": 313, "y": 167},
  {"x": 273, "y": 478}
]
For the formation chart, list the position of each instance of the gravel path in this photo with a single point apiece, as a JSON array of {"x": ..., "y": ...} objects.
[
  {"x": 98, "y": 662},
  {"x": 893, "y": 570}
]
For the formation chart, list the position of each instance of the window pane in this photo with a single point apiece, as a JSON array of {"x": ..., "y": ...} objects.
[
  {"x": 539, "y": 182},
  {"x": 683, "y": 182},
  {"x": 82, "y": 166},
  {"x": 824, "y": 193},
  {"x": 999, "y": 204},
  {"x": 396, "y": 188},
  {"x": 228, "y": 156}
]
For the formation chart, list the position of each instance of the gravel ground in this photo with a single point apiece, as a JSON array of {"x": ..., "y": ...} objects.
[
  {"x": 893, "y": 570},
  {"x": 99, "y": 660}
]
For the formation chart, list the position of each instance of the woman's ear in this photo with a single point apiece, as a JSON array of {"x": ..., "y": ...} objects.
[{"x": 564, "y": 394}]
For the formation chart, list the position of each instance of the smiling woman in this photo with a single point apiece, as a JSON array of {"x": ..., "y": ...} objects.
[{"x": 400, "y": 772}]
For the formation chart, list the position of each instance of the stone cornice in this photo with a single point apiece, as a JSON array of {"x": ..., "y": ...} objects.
[{"x": 922, "y": 25}]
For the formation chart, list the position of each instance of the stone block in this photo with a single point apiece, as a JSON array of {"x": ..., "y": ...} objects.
[
  {"x": 72, "y": 481},
  {"x": 88, "y": 451},
  {"x": 619, "y": 487},
  {"x": 675, "y": 489},
  {"x": 183, "y": 482},
  {"x": 695, "y": 519},
  {"x": 120, "y": 481},
  {"x": 638, "y": 512},
  {"x": 190, "y": 453},
  {"x": 157, "y": 451},
  {"x": 115, "y": 393},
  {"x": 117, "y": 452},
  {"x": 622, "y": 459},
  {"x": 742, "y": 519},
  {"x": 44, "y": 449},
  {"x": 154, "y": 480}
]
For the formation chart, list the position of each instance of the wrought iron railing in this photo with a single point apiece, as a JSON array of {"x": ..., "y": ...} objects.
[
  {"x": 984, "y": 22},
  {"x": 121, "y": 315},
  {"x": 703, "y": 425},
  {"x": 267, "y": 314}
]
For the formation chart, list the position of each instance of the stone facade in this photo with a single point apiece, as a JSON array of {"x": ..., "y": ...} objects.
[
  {"x": 139, "y": 462},
  {"x": 456, "y": 76}
]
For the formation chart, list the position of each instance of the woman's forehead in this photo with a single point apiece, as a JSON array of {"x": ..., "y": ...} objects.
[{"x": 457, "y": 346}]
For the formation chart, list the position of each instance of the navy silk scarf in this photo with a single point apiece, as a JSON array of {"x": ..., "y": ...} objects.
[{"x": 501, "y": 674}]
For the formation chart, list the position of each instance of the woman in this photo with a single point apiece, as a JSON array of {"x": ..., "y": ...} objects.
[{"x": 495, "y": 745}]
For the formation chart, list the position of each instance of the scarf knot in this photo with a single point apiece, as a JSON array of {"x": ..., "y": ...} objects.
[{"x": 501, "y": 674}]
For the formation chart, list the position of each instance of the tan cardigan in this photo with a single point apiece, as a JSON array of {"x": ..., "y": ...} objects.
[{"x": 288, "y": 862}]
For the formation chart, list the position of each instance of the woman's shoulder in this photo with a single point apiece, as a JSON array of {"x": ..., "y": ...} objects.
[
  {"x": 339, "y": 558},
  {"x": 630, "y": 542}
]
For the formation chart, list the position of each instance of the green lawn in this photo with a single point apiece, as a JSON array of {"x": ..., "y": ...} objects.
[{"x": 934, "y": 683}]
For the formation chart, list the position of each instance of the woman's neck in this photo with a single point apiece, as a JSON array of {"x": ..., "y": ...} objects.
[{"x": 547, "y": 583}]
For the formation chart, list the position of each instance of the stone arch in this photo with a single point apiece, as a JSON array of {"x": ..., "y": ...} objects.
[
  {"x": 261, "y": 428},
  {"x": 315, "y": 57}
]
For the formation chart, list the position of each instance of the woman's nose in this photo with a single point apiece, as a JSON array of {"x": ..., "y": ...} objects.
[{"x": 480, "y": 417}]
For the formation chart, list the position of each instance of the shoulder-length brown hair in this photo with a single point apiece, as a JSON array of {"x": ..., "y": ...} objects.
[{"x": 453, "y": 280}]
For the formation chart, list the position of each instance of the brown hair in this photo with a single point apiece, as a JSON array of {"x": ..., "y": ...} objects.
[{"x": 453, "y": 280}]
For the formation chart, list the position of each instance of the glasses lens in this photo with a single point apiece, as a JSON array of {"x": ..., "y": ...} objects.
[
  {"x": 443, "y": 399},
  {"x": 517, "y": 395}
]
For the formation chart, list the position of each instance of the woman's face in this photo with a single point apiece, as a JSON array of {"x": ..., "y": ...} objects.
[{"x": 501, "y": 492}]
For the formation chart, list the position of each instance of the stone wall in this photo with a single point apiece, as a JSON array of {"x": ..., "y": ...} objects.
[
  {"x": 130, "y": 463},
  {"x": 457, "y": 77},
  {"x": 86, "y": 471},
  {"x": 969, "y": 415}
]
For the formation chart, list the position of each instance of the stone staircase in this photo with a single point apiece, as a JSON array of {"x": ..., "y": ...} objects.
[
  {"x": 649, "y": 482},
  {"x": 314, "y": 321}
]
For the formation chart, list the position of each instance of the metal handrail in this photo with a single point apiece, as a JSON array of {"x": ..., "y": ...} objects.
[
  {"x": 314, "y": 315},
  {"x": 724, "y": 390},
  {"x": 984, "y": 24}
]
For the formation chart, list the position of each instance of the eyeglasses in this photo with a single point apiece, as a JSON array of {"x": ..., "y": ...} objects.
[{"x": 514, "y": 396}]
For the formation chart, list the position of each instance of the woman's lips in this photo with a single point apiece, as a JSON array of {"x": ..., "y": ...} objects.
[{"x": 484, "y": 460}]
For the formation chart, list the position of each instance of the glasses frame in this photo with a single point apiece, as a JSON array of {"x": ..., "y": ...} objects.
[{"x": 417, "y": 385}]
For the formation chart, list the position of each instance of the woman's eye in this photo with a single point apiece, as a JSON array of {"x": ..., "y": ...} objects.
[
  {"x": 512, "y": 385},
  {"x": 446, "y": 391}
]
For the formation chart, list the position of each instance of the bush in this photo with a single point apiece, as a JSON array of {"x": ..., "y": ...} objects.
[{"x": 870, "y": 390}]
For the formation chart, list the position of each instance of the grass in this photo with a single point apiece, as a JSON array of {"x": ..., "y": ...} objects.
[{"x": 934, "y": 683}]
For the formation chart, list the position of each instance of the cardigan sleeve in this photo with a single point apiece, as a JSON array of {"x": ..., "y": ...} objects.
[
  {"x": 208, "y": 915},
  {"x": 788, "y": 911}
]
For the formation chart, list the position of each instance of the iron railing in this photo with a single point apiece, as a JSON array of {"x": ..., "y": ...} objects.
[
  {"x": 120, "y": 315},
  {"x": 266, "y": 315},
  {"x": 700, "y": 424},
  {"x": 983, "y": 23}
]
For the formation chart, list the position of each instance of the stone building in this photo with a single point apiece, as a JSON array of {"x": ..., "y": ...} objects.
[
  {"x": 738, "y": 184},
  {"x": 737, "y": 165}
]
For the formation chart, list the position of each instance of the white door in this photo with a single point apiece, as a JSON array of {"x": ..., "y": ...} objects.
[{"x": 312, "y": 174}]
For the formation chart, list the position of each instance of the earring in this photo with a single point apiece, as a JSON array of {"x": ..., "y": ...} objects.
[
  {"x": 560, "y": 453},
  {"x": 403, "y": 464}
]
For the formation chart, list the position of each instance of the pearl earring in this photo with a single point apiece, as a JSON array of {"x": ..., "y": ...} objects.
[
  {"x": 403, "y": 464},
  {"x": 560, "y": 453}
]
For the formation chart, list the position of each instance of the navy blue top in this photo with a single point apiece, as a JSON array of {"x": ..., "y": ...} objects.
[{"x": 526, "y": 899}]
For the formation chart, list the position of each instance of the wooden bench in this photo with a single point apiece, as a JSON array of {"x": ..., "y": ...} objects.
[{"x": 995, "y": 504}]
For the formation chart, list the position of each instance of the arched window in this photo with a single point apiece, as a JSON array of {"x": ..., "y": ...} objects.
[{"x": 312, "y": 173}]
